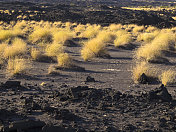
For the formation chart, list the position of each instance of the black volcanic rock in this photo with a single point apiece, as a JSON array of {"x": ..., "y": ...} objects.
[
  {"x": 160, "y": 93},
  {"x": 102, "y": 15}
]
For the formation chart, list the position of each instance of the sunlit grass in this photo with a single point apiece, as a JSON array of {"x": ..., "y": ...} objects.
[
  {"x": 18, "y": 48},
  {"x": 64, "y": 60},
  {"x": 17, "y": 66},
  {"x": 153, "y": 50},
  {"x": 122, "y": 38},
  {"x": 147, "y": 37},
  {"x": 93, "y": 48},
  {"x": 91, "y": 31},
  {"x": 168, "y": 77},
  {"x": 40, "y": 34},
  {"x": 5, "y": 34},
  {"x": 62, "y": 36},
  {"x": 36, "y": 54},
  {"x": 54, "y": 49},
  {"x": 143, "y": 67}
]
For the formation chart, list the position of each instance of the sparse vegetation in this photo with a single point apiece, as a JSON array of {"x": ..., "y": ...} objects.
[
  {"x": 98, "y": 58},
  {"x": 64, "y": 60},
  {"x": 50, "y": 38},
  {"x": 17, "y": 48},
  {"x": 93, "y": 48},
  {"x": 91, "y": 31},
  {"x": 122, "y": 38},
  {"x": 35, "y": 54},
  {"x": 143, "y": 67},
  {"x": 16, "y": 66},
  {"x": 5, "y": 35},
  {"x": 138, "y": 29},
  {"x": 54, "y": 49},
  {"x": 52, "y": 70},
  {"x": 62, "y": 36},
  {"x": 153, "y": 50},
  {"x": 106, "y": 36},
  {"x": 147, "y": 37},
  {"x": 40, "y": 35},
  {"x": 115, "y": 27},
  {"x": 168, "y": 77}
]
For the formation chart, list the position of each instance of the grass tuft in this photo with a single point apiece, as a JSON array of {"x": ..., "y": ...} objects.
[
  {"x": 5, "y": 34},
  {"x": 147, "y": 37},
  {"x": 16, "y": 66},
  {"x": 35, "y": 54},
  {"x": 122, "y": 38},
  {"x": 62, "y": 36},
  {"x": 141, "y": 68},
  {"x": 168, "y": 77},
  {"x": 64, "y": 60},
  {"x": 138, "y": 29},
  {"x": 151, "y": 51},
  {"x": 18, "y": 48},
  {"x": 93, "y": 48},
  {"x": 54, "y": 49},
  {"x": 91, "y": 31},
  {"x": 40, "y": 35},
  {"x": 105, "y": 36}
]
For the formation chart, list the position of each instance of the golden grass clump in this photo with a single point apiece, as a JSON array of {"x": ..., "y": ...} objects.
[
  {"x": 36, "y": 54},
  {"x": 10, "y": 33},
  {"x": 105, "y": 36},
  {"x": 165, "y": 40},
  {"x": 17, "y": 32},
  {"x": 121, "y": 32},
  {"x": 148, "y": 52},
  {"x": 80, "y": 28},
  {"x": 147, "y": 37},
  {"x": 138, "y": 29},
  {"x": 62, "y": 36},
  {"x": 5, "y": 34},
  {"x": 20, "y": 25},
  {"x": 153, "y": 50},
  {"x": 91, "y": 31},
  {"x": 54, "y": 49},
  {"x": 52, "y": 70},
  {"x": 3, "y": 46},
  {"x": 168, "y": 77},
  {"x": 40, "y": 35},
  {"x": 122, "y": 38},
  {"x": 115, "y": 27},
  {"x": 18, "y": 48},
  {"x": 68, "y": 24},
  {"x": 93, "y": 48},
  {"x": 141, "y": 68},
  {"x": 16, "y": 66},
  {"x": 64, "y": 60},
  {"x": 129, "y": 26},
  {"x": 151, "y": 29}
]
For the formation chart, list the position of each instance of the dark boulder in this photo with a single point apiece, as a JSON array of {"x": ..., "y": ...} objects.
[
  {"x": 65, "y": 114},
  {"x": 143, "y": 79},
  {"x": 24, "y": 125},
  {"x": 49, "y": 128},
  {"x": 160, "y": 93},
  {"x": 10, "y": 84},
  {"x": 90, "y": 79}
]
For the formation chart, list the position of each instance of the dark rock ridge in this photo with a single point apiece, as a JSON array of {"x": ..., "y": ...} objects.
[
  {"x": 89, "y": 109},
  {"x": 82, "y": 14}
]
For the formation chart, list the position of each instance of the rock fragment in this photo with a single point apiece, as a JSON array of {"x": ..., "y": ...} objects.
[
  {"x": 160, "y": 93},
  {"x": 90, "y": 79},
  {"x": 24, "y": 125}
]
